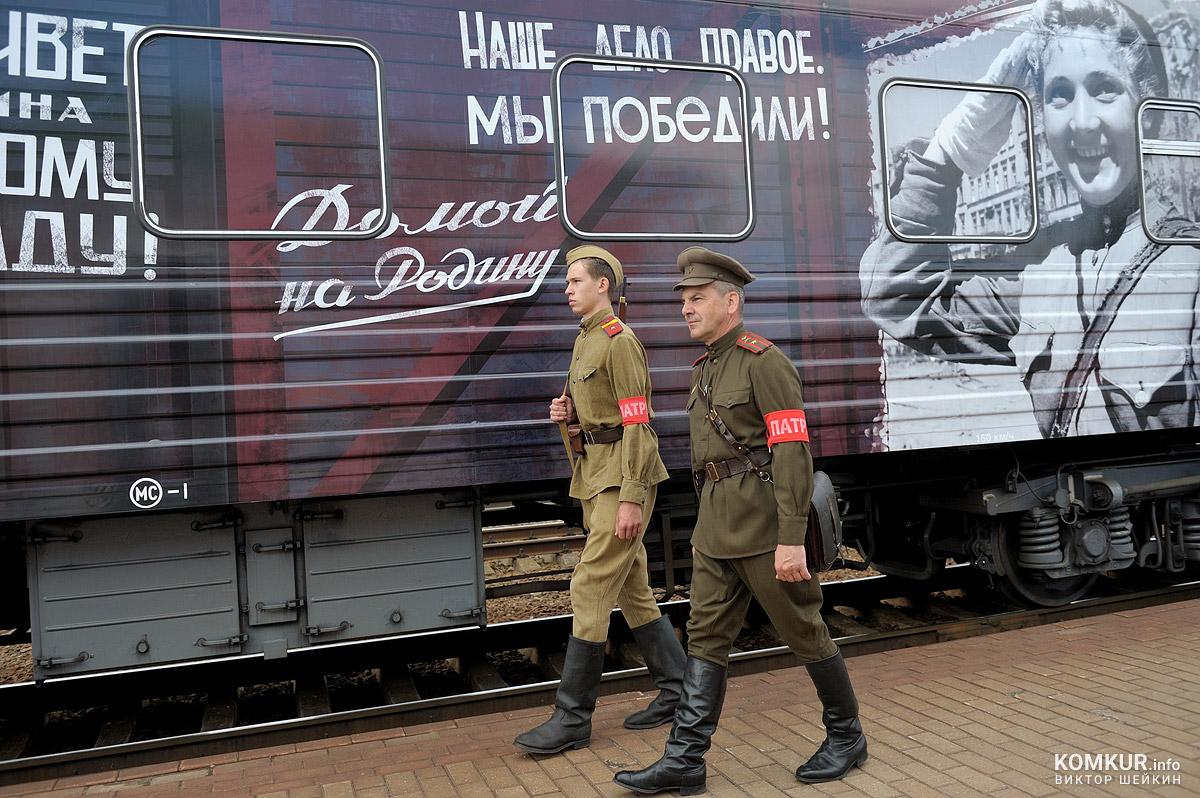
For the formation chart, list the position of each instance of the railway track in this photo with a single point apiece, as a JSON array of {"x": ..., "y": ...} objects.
[{"x": 57, "y": 729}]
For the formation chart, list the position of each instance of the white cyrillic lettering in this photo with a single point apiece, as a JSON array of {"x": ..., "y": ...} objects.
[
  {"x": 804, "y": 63},
  {"x": 602, "y": 48},
  {"x": 500, "y": 209},
  {"x": 684, "y": 118},
  {"x": 344, "y": 297},
  {"x": 777, "y": 118},
  {"x": 766, "y": 52},
  {"x": 521, "y": 119},
  {"x": 109, "y": 171},
  {"x": 328, "y": 197},
  {"x": 12, "y": 51},
  {"x": 707, "y": 36},
  {"x": 749, "y": 52},
  {"x": 520, "y": 38},
  {"x": 58, "y": 243},
  {"x": 35, "y": 37},
  {"x": 664, "y": 125},
  {"x": 76, "y": 111},
  {"x": 727, "y": 124},
  {"x": 643, "y": 118},
  {"x": 54, "y": 162},
  {"x": 498, "y": 119},
  {"x": 730, "y": 50},
  {"x": 469, "y": 51},
  {"x": 804, "y": 123},
  {"x": 787, "y": 52},
  {"x": 545, "y": 57},
  {"x": 88, "y": 248},
  {"x": 499, "y": 51},
  {"x": 45, "y": 106},
  {"x": 294, "y": 296},
  {"x": 79, "y": 50},
  {"x": 535, "y": 266},
  {"x": 619, "y": 47},
  {"x": 605, "y": 119}
]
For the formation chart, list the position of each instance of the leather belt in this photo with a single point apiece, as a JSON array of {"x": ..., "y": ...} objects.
[
  {"x": 610, "y": 435},
  {"x": 723, "y": 469}
]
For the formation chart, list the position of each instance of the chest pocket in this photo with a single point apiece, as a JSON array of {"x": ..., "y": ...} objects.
[
  {"x": 730, "y": 398},
  {"x": 582, "y": 373}
]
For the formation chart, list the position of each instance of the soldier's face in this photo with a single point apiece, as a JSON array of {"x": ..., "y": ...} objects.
[
  {"x": 585, "y": 294},
  {"x": 708, "y": 313}
]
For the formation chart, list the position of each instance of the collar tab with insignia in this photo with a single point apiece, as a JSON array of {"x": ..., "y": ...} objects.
[
  {"x": 611, "y": 326},
  {"x": 754, "y": 343}
]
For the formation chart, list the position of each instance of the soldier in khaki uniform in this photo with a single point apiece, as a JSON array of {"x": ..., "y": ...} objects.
[
  {"x": 616, "y": 479},
  {"x": 750, "y": 530}
]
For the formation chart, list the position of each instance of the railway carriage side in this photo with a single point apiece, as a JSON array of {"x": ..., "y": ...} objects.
[{"x": 281, "y": 302}]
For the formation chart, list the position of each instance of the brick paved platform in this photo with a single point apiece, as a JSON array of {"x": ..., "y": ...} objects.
[{"x": 1012, "y": 714}]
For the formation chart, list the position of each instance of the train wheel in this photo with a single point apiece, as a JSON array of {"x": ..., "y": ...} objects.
[{"x": 1028, "y": 586}]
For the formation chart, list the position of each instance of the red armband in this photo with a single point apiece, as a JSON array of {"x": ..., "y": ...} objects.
[
  {"x": 786, "y": 425},
  {"x": 634, "y": 410}
]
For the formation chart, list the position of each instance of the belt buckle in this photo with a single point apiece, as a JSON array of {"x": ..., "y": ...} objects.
[{"x": 710, "y": 471}]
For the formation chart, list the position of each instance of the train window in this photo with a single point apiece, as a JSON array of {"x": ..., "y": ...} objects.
[
  {"x": 1169, "y": 147},
  {"x": 241, "y": 135},
  {"x": 998, "y": 203},
  {"x": 654, "y": 150}
]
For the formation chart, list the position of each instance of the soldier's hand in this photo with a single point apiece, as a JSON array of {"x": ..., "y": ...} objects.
[
  {"x": 629, "y": 520},
  {"x": 790, "y": 565},
  {"x": 562, "y": 409}
]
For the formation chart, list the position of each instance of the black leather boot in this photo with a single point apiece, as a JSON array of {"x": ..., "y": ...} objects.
[
  {"x": 664, "y": 658},
  {"x": 845, "y": 744},
  {"x": 682, "y": 765},
  {"x": 571, "y": 724}
]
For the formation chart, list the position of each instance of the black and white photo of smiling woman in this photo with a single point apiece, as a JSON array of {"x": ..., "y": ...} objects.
[{"x": 1102, "y": 326}]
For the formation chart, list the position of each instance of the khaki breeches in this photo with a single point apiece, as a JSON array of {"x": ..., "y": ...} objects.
[
  {"x": 721, "y": 592},
  {"x": 611, "y": 571}
]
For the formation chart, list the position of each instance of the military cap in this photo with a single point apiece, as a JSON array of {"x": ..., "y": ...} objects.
[
  {"x": 701, "y": 266},
  {"x": 593, "y": 251}
]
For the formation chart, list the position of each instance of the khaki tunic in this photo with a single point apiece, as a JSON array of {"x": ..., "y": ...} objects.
[
  {"x": 603, "y": 370},
  {"x": 742, "y": 519},
  {"x": 742, "y": 516}
]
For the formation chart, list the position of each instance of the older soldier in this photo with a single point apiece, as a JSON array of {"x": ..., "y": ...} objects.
[
  {"x": 615, "y": 478},
  {"x": 750, "y": 529}
]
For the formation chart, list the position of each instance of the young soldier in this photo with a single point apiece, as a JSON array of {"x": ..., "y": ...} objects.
[
  {"x": 616, "y": 479},
  {"x": 749, "y": 536}
]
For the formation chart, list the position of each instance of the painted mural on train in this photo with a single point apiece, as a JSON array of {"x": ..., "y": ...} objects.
[
  {"x": 266, "y": 369},
  {"x": 1018, "y": 322}
]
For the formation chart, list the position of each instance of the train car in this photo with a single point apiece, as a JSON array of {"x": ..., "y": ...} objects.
[{"x": 281, "y": 288}]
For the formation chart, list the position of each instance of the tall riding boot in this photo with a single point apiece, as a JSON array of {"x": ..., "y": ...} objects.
[
  {"x": 571, "y": 724},
  {"x": 682, "y": 764},
  {"x": 664, "y": 658},
  {"x": 845, "y": 744}
]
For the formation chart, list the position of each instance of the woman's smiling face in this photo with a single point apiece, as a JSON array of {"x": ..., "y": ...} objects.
[{"x": 1089, "y": 105}]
